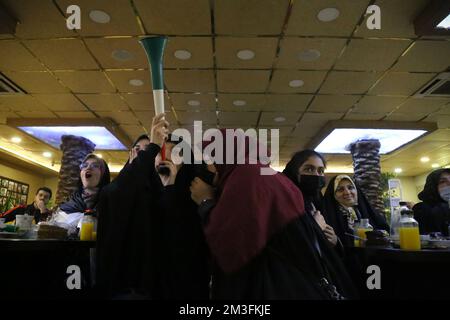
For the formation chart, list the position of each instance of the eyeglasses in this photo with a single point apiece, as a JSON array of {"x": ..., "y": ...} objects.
[{"x": 92, "y": 165}]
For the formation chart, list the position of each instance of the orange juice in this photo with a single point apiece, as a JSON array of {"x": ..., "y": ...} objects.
[
  {"x": 86, "y": 231},
  {"x": 94, "y": 235},
  {"x": 361, "y": 233},
  {"x": 409, "y": 238}
]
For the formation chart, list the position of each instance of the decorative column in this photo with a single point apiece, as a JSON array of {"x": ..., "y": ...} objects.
[
  {"x": 366, "y": 165},
  {"x": 74, "y": 150}
]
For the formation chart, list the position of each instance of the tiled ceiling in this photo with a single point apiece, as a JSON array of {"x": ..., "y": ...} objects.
[{"x": 304, "y": 72}]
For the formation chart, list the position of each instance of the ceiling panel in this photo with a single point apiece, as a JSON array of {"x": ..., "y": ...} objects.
[
  {"x": 36, "y": 82},
  {"x": 372, "y": 104},
  {"x": 378, "y": 55},
  {"x": 200, "y": 49},
  {"x": 276, "y": 118},
  {"x": 22, "y": 103},
  {"x": 188, "y": 118},
  {"x": 242, "y": 80},
  {"x": 141, "y": 101},
  {"x": 311, "y": 123},
  {"x": 426, "y": 56},
  {"x": 104, "y": 48},
  {"x": 237, "y": 119},
  {"x": 36, "y": 114},
  {"x": 121, "y": 80},
  {"x": 103, "y": 102},
  {"x": 123, "y": 20},
  {"x": 120, "y": 117},
  {"x": 146, "y": 118},
  {"x": 304, "y": 21},
  {"x": 401, "y": 83},
  {"x": 61, "y": 102},
  {"x": 349, "y": 82},
  {"x": 263, "y": 48},
  {"x": 424, "y": 105},
  {"x": 247, "y": 16},
  {"x": 16, "y": 58},
  {"x": 252, "y": 102},
  {"x": 291, "y": 48},
  {"x": 132, "y": 131},
  {"x": 311, "y": 81},
  {"x": 38, "y": 19},
  {"x": 396, "y": 19},
  {"x": 78, "y": 114},
  {"x": 405, "y": 116},
  {"x": 287, "y": 102},
  {"x": 86, "y": 81},
  {"x": 56, "y": 54},
  {"x": 364, "y": 116},
  {"x": 189, "y": 80},
  {"x": 186, "y": 17},
  {"x": 283, "y": 131},
  {"x": 188, "y": 102},
  {"x": 333, "y": 103}
]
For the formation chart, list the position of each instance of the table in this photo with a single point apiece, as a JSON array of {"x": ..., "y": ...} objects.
[
  {"x": 423, "y": 274},
  {"x": 38, "y": 268}
]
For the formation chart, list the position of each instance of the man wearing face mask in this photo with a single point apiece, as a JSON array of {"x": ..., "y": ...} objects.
[
  {"x": 306, "y": 170},
  {"x": 433, "y": 214}
]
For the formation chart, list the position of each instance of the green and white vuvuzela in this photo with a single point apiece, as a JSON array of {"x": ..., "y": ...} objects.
[{"x": 154, "y": 48}]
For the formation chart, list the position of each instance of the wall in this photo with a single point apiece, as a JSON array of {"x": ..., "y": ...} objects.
[{"x": 34, "y": 179}]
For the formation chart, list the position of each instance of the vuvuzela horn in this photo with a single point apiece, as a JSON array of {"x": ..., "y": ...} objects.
[{"x": 154, "y": 48}]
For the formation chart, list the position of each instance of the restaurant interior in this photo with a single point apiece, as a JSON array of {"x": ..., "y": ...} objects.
[{"x": 326, "y": 73}]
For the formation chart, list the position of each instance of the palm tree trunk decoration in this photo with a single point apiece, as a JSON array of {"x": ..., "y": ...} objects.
[
  {"x": 366, "y": 165},
  {"x": 74, "y": 150}
]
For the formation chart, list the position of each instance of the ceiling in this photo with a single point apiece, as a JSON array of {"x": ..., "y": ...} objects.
[{"x": 361, "y": 74}]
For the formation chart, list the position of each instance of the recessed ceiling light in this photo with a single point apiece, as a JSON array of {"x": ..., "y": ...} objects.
[
  {"x": 16, "y": 140},
  {"x": 136, "y": 82},
  {"x": 279, "y": 119},
  {"x": 47, "y": 154},
  {"x": 309, "y": 55},
  {"x": 182, "y": 54},
  {"x": 390, "y": 139},
  {"x": 398, "y": 170},
  {"x": 245, "y": 54},
  {"x": 193, "y": 103},
  {"x": 435, "y": 165},
  {"x": 122, "y": 55},
  {"x": 239, "y": 103},
  {"x": 99, "y": 16},
  {"x": 424, "y": 159},
  {"x": 328, "y": 14},
  {"x": 296, "y": 83}
]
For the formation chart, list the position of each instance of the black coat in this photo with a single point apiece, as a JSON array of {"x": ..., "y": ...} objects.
[
  {"x": 289, "y": 267},
  {"x": 433, "y": 214},
  {"x": 149, "y": 240}
]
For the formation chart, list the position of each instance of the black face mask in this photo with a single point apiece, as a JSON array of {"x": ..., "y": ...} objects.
[{"x": 311, "y": 184}]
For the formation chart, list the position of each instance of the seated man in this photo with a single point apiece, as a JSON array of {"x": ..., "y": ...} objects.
[{"x": 37, "y": 208}]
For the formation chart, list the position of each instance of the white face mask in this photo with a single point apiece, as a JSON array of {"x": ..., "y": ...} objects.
[{"x": 445, "y": 193}]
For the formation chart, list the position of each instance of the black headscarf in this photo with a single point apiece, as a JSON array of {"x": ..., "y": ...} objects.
[
  {"x": 335, "y": 218},
  {"x": 430, "y": 193},
  {"x": 291, "y": 171},
  {"x": 77, "y": 203}
]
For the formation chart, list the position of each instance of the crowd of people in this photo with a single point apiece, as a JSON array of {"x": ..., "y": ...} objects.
[{"x": 224, "y": 231}]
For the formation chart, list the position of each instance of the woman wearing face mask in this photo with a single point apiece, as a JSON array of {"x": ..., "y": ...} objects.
[
  {"x": 94, "y": 175},
  {"x": 345, "y": 204},
  {"x": 262, "y": 245},
  {"x": 306, "y": 171},
  {"x": 433, "y": 214}
]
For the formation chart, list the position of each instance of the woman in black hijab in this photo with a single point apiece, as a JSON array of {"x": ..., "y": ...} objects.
[
  {"x": 94, "y": 176},
  {"x": 341, "y": 212},
  {"x": 306, "y": 171},
  {"x": 433, "y": 213}
]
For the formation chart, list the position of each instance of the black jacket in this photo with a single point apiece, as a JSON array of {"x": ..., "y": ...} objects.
[
  {"x": 10, "y": 215},
  {"x": 149, "y": 239}
]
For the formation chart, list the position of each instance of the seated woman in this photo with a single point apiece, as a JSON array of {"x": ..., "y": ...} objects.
[
  {"x": 345, "y": 204},
  {"x": 433, "y": 213},
  {"x": 306, "y": 170},
  {"x": 261, "y": 244},
  {"x": 94, "y": 175}
]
